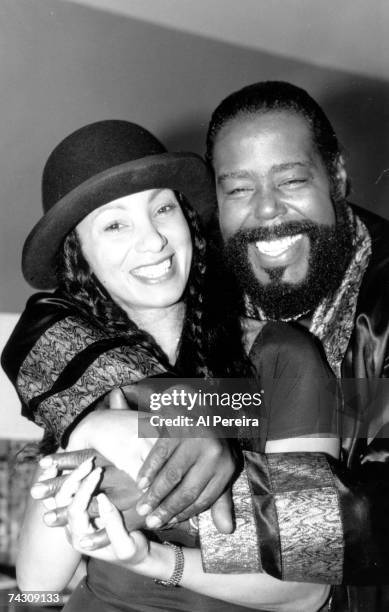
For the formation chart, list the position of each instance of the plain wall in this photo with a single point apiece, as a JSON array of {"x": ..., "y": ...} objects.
[{"x": 64, "y": 65}]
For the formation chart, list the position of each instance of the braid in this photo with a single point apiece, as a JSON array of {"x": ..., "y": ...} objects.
[
  {"x": 192, "y": 355},
  {"x": 211, "y": 342},
  {"x": 79, "y": 284},
  {"x": 223, "y": 311},
  {"x": 84, "y": 289}
]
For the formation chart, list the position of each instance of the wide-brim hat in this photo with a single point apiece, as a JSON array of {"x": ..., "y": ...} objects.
[{"x": 99, "y": 163}]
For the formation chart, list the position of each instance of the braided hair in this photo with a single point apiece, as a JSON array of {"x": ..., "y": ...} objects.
[{"x": 211, "y": 342}]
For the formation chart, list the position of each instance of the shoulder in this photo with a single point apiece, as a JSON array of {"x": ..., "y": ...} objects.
[
  {"x": 45, "y": 313},
  {"x": 287, "y": 347},
  {"x": 378, "y": 228},
  {"x": 280, "y": 336},
  {"x": 374, "y": 292},
  {"x": 44, "y": 308}
]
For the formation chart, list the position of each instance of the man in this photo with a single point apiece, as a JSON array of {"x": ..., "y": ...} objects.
[{"x": 301, "y": 253}]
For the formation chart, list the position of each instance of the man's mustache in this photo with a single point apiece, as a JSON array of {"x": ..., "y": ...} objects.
[{"x": 281, "y": 230}]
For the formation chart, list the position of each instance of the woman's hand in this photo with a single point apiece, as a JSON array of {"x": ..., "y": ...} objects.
[
  {"x": 114, "y": 433},
  {"x": 132, "y": 551}
]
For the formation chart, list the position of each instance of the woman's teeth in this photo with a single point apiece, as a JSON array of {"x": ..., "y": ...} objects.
[
  {"x": 276, "y": 247},
  {"x": 154, "y": 271}
]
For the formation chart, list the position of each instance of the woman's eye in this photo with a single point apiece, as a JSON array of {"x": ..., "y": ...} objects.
[
  {"x": 166, "y": 208},
  {"x": 114, "y": 227}
]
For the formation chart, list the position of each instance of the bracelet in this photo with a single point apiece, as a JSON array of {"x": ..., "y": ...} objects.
[{"x": 178, "y": 571}]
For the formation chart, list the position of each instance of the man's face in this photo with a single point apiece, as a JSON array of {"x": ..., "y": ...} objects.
[
  {"x": 275, "y": 210},
  {"x": 268, "y": 173}
]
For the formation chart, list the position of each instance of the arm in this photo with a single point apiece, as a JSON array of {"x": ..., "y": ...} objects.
[
  {"x": 135, "y": 553},
  {"x": 252, "y": 590},
  {"x": 52, "y": 330},
  {"x": 328, "y": 523},
  {"x": 287, "y": 505},
  {"x": 45, "y": 561}
]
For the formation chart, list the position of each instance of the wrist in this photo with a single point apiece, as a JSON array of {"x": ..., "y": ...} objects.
[
  {"x": 162, "y": 561},
  {"x": 158, "y": 563},
  {"x": 170, "y": 562}
]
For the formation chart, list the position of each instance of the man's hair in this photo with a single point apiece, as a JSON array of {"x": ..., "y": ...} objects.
[{"x": 267, "y": 96}]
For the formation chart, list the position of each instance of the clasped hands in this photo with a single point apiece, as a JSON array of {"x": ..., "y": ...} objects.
[{"x": 154, "y": 482}]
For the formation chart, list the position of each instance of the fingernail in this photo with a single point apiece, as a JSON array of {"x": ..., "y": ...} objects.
[
  {"x": 143, "y": 483},
  {"x": 173, "y": 521},
  {"x": 38, "y": 490},
  {"x": 46, "y": 462},
  {"x": 153, "y": 522},
  {"x": 50, "y": 517},
  {"x": 143, "y": 509}
]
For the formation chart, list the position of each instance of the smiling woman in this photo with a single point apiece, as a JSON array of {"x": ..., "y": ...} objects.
[
  {"x": 121, "y": 241},
  {"x": 140, "y": 249}
]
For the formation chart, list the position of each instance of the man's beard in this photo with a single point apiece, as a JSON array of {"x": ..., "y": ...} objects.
[{"x": 329, "y": 254}]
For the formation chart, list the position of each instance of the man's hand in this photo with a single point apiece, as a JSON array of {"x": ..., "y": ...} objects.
[{"x": 183, "y": 478}]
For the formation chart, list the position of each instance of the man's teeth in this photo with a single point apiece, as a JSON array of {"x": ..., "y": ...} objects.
[
  {"x": 276, "y": 247},
  {"x": 154, "y": 271}
]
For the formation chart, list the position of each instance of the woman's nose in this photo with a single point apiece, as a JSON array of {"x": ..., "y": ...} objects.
[{"x": 151, "y": 239}]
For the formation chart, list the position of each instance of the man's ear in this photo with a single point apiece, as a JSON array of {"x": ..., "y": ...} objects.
[{"x": 341, "y": 179}]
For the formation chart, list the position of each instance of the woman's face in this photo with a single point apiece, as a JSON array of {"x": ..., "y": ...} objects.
[{"x": 140, "y": 249}]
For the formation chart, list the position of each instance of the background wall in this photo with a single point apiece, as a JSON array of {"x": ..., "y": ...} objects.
[{"x": 64, "y": 64}]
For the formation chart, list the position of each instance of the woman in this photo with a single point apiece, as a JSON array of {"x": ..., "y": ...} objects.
[{"x": 125, "y": 266}]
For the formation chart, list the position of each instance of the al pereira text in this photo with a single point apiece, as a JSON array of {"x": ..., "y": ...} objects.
[{"x": 213, "y": 420}]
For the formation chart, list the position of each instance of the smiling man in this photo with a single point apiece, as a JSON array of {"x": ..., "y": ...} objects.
[
  {"x": 300, "y": 252},
  {"x": 276, "y": 213}
]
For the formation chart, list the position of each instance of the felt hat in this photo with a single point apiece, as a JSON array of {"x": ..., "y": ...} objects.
[{"x": 99, "y": 163}]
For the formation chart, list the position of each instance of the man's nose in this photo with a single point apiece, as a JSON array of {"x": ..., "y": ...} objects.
[
  {"x": 150, "y": 239},
  {"x": 267, "y": 205}
]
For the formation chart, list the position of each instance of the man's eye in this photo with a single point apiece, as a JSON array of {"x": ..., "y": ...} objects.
[
  {"x": 239, "y": 191},
  {"x": 294, "y": 182}
]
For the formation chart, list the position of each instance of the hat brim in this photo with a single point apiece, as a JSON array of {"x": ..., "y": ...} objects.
[{"x": 183, "y": 172}]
